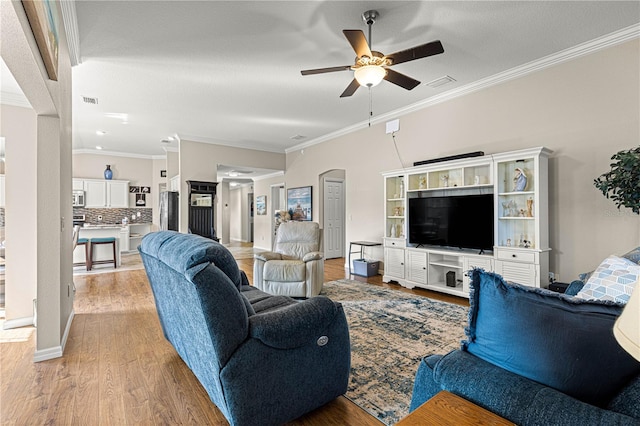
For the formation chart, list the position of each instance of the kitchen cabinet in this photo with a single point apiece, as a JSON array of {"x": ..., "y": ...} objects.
[
  {"x": 106, "y": 193},
  {"x": 78, "y": 185}
]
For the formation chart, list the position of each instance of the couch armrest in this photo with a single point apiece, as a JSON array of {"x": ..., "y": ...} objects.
[
  {"x": 267, "y": 255},
  {"x": 314, "y": 255},
  {"x": 294, "y": 325}
]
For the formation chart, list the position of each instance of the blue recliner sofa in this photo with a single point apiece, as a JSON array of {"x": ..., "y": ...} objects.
[
  {"x": 263, "y": 360},
  {"x": 536, "y": 357}
]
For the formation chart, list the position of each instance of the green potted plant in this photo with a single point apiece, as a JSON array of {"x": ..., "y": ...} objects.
[{"x": 622, "y": 183}]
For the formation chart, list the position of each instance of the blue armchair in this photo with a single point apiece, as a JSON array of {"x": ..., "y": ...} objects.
[{"x": 262, "y": 359}]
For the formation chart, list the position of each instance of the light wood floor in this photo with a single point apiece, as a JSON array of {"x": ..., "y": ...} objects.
[{"x": 118, "y": 369}]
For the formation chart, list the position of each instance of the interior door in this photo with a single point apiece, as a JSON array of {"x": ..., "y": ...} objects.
[{"x": 333, "y": 218}]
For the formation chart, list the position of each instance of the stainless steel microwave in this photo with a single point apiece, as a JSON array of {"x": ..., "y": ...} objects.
[{"x": 78, "y": 198}]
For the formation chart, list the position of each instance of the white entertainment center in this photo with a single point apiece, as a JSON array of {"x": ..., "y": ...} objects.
[{"x": 517, "y": 181}]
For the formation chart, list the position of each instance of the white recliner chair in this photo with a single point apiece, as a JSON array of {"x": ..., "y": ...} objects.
[{"x": 295, "y": 267}]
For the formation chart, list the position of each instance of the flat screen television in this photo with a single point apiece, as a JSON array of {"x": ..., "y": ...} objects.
[{"x": 463, "y": 221}]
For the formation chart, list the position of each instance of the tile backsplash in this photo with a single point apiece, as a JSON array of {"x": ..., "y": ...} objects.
[{"x": 115, "y": 215}]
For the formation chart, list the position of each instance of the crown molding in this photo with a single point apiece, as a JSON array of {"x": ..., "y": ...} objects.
[
  {"x": 14, "y": 99},
  {"x": 70, "y": 23},
  {"x": 242, "y": 145},
  {"x": 117, "y": 154},
  {"x": 268, "y": 176},
  {"x": 609, "y": 40}
]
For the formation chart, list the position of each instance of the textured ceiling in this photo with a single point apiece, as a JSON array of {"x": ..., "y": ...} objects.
[{"x": 229, "y": 72}]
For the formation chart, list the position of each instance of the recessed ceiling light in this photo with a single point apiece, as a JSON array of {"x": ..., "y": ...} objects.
[
  {"x": 100, "y": 132},
  {"x": 233, "y": 183},
  {"x": 98, "y": 147}
]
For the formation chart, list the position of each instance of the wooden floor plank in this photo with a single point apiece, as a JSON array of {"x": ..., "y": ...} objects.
[{"x": 118, "y": 368}]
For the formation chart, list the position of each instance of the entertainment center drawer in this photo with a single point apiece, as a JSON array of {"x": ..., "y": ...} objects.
[
  {"x": 516, "y": 255},
  {"x": 395, "y": 242}
]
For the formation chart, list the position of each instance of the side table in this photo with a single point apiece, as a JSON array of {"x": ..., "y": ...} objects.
[
  {"x": 448, "y": 409},
  {"x": 362, "y": 245}
]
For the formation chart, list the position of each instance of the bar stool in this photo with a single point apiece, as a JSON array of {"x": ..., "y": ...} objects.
[
  {"x": 87, "y": 258},
  {"x": 98, "y": 241}
]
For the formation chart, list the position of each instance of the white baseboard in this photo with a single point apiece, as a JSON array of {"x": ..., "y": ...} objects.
[
  {"x": 17, "y": 323},
  {"x": 261, "y": 248},
  {"x": 46, "y": 354},
  {"x": 67, "y": 328},
  {"x": 56, "y": 351}
]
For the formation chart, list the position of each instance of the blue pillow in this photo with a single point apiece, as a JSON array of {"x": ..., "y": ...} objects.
[{"x": 557, "y": 340}]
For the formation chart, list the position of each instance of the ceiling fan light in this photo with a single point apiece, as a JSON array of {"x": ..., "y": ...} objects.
[{"x": 370, "y": 75}]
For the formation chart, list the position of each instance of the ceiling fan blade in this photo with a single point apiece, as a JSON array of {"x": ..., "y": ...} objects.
[
  {"x": 351, "y": 89},
  {"x": 400, "y": 79},
  {"x": 422, "y": 51},
  {"x": 358, "y": 42},
  {"x": 323, "y": 70}
]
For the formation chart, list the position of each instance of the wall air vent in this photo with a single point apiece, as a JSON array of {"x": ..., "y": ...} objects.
[
  {"x": 440, "y": 81},
  {"x": 90, "y": 100}
]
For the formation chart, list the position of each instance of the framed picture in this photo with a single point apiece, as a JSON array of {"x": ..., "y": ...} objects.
[
  {"x": 43, "y": 19},
  {"x": 163, "y": 173},
  {"x": 261, "y": 205},
  {"x": 141, "y": 200},
  {"x": 134, "y": 189},
  {"x": 299, "y": 203},
  {"x": 145, "y": 189}
]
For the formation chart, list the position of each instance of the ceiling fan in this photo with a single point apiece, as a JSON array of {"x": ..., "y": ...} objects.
[{"x": 371, "y": 67}]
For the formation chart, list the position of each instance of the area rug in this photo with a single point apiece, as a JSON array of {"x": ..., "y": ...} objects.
[{"x": 390, "y": 332}]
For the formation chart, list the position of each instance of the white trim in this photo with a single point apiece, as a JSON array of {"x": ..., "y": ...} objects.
[
  {"x": 67, "y": 329},
  {"x": 270, "y": 175},
  {"x": 255, "y": 247},
  {"x": 609, "y": 40},
  {"x": 14, "y": 99},
  {"x": 17, "y": 323},
  {"x": 236, "y": 144},
  {"x": 47, "y": 354},
  {"x": 70, "y": 23},
  {"x": 118, "y": 154}
]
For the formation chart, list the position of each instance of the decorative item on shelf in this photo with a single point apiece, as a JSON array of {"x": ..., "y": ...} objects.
[
  {"x": 521, "y": 213},
  {"x": 401, "y": 232},
  {"x": 508, "y": 242},
  {"x": 125, "y": 220},
  {"x": 519, "y": 180},
  {"x": 530, "y": 207},
  {"x": 401, "y": 187},
  {"x": 476, "y": 180},
  {"x": 392, "y": 231},
  {"x": 108, "y": 173},
  {"x": 445, "y": 180},
  {"x": 422, "y": 182},
  {"x": 397, "y": 211}
]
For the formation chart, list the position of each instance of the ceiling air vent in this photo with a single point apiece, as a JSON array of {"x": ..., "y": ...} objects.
[
  {"x": 90, "y": 100},
  {"x": 440, "y": 81},
  {"x": 298, "y": 137}
]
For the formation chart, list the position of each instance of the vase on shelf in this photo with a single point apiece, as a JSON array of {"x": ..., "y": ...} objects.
[{"x": 108, "y": 174}]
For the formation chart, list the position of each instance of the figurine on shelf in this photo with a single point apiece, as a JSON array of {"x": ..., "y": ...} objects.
[
  {"x": 530, "y": 207},
  {"x": 445, "y": 180},
  {"x": 508, "y": 242},
  {"x": 519, "y": 180},
  {"x": 422, "y": 182},
  {"x": 521, "y": 213},
  {"x": 401, "y": 187}
]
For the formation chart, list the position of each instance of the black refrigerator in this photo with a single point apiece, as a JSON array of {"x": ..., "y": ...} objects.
[{"x": 169, "y": 210}]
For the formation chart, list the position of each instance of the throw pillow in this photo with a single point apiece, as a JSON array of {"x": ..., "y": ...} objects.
[
  {"x": 633, "y": 255},
  {"x": 613, "y": 280},
  {"x": 560, "y": 341}
]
